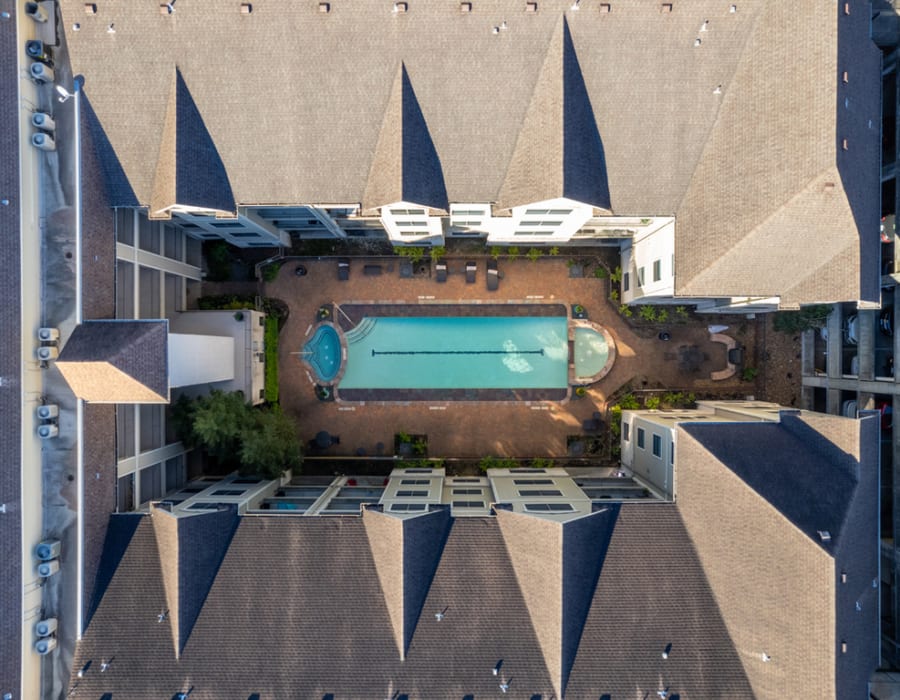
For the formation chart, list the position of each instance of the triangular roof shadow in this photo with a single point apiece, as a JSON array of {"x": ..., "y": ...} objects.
[
  {"x": 119, "y": 532},
  {"x": 558, "y": 152},
  {"x": 557, "y": 565},
  {"x": 118, "y": 187},
  {"x": 117, "y": 361},
  {"x": 189, "y": 170},
  {"x": 406, "y": 552},
  {"x": 799, "y": 471},
  {"x": 191, "y": 549},
  {"x": 405, "y": 166}
]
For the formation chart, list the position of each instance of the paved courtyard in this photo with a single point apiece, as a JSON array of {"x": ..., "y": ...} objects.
[{"x": 476, "y": 429}]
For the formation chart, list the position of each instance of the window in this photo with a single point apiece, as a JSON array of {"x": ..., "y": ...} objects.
[
  {"x": 673, "y": 264},
  {"x": 657, "y": 445},
  {"x": 539, "y": 492},
  {"x": 228, "y": 492},
  {"x": 468, "y": 504},
  {"x": 466, "y": 492},
  {"x": 640, "y": 438},
  {"x": 418, "y": 471},
  {"x": 640, "y": 277},
  {"x": 671, "y": 453},
  {"x": 547, "y": 212},
  {"x": 626, "y": 431},
  {"x": 532, "y": 482},
  {"x": 243, "y": 234},
  {"x": 411, "y": 494},
  {"x": 408, "y": 212},
  {"x": 203, "y": 506},
  {"x": 657, "y": 270},
  {"x": 415, "y": 482},
  {"x": 246, "y": 480},
  {"x": 549, "y": 508},
  {"x": 626, "y": 281},
  {"x": 526, "y": 470},
  {"x": 407, "y": 507},
  {"x": 466, "y": 481}
]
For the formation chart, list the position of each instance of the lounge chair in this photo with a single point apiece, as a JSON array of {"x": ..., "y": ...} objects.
[
  {"x": 471, "y": 268},
  {"x": 493, "y": 276},
  {"x": 406, "y": 269},
  {"x": 440, "y": 270},
  {"x": 343, "y": 269}
]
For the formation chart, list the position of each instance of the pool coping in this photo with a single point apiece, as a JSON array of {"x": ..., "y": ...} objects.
[
  {"x": 575, "y": 323},
  {"x": 347, "y": 315}
]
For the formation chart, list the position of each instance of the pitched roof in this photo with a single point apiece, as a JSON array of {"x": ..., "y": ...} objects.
[
  {"x": 406, "y": 552},
  {"x": 190, "y": 552},
  {"x": 189, "y": 170},
  {"x": 558, "y": 150},
  {"x": 405, "y": 167},
  {"x": 770, "y": 184},
  {"x": 11, "y": 397},
  {"x": 753, "y": 519},
  {"x": 117, "y": 361},
  {"x": 556, "y": 566}
]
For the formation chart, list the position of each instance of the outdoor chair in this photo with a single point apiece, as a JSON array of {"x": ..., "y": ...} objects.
[
  {"x": 406, "y": 270},
  {"x": 493, "y": 276},
  {"x": 440, "y": 270},
  {"x": 471, "y": 268},
  {"x": 343, "y": 269}
]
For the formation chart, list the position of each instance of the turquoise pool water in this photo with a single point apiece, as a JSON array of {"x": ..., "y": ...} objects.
[
  {"x": 323, "y": 353},
  {"x": 591, "y": 352},
  {"x": 496, "y": 352}
]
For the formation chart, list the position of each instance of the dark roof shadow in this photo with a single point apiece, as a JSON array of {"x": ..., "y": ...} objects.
[
  {"x": 584, "y": 161},
  {"x": 119, "y": 532},
  {"x": 118, "y": 188}
]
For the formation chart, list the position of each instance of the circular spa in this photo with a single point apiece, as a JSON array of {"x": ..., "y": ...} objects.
[
  {"x": 322, "y": 352},
  {"x": 594, "y": 351}
]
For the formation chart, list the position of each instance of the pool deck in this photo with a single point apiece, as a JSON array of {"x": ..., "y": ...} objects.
[{"x": 472, "y": 428}]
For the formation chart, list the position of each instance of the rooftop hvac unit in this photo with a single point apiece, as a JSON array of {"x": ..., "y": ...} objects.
[
  {"x": 48, "y": 335},
  {"x": 48, "y": 411},
  {"x": 47, "y": 568},
  {"x": 41, "y": 140},
  {"x": 48, "y": 549},
  {"x": 46, "y": 627},
  {"x": 47, "y": 431},
  {"x": 35, "y": 11},
  {"x": 47, "y": 352},
  {"x": 41, "y": 73},
  {"x": 44, "y": 121},
  {"x": 45, "y": 645},
  {"x": 39, "y": 51}
]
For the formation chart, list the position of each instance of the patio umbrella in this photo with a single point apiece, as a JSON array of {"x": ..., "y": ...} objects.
[{"x": 323, "y": 439}]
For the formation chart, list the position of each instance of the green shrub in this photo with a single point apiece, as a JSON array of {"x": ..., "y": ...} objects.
[
  {"x": 796, "y": 321},
  {"x": 534, "y": 254},
  {"x": 271, "y": 343},
  {"x": 629, "y": 402},
  {"x": 662, "y": 314},
  {"x": 438, "y": 252},
  {"x": 616, "y": 275},
  {"x": 270, "y": 272},
  {"x": 748, "y": 374},
  {"x": 542, "y": 463},
  {"x": 496, "y": 252},
  {"x": 614, "y": 294},
  {"x": 218, "y": 261},
  {"x": 625, "y": 310},
  {"x": 513, "y": 252},
  {"x": 600, "y": 272},
  {"x": 496, "y": 463},
  {"x": 681, "y": 313},
  {"x": 647, "y": 313},
  {"x": 652, "y": 403},
  {"x": 554, "y": 251}
]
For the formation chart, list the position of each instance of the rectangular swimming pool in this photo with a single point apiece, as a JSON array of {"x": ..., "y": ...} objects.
[{"x": 457, "y": 353}]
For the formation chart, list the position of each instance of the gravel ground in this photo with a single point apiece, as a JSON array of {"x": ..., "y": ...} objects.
[{"x": 779, "y": 377}]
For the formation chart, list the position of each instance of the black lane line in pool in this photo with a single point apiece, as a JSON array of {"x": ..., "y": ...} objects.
[{"x": 457, "y": 352}]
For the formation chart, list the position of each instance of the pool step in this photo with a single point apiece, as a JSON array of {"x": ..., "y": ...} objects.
[{"x": 361, "y": 330}]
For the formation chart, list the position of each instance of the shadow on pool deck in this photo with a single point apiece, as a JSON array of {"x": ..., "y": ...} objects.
[{"x": 474, "y": 429}]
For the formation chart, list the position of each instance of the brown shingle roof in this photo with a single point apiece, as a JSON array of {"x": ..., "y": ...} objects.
[
  {"x": 405, "y": 166},
  {"x": 189, "y": 170},
  {"x": 558, "y": 150},
  {"x": 11, "y": 390},
  {"x": 117, "y": 361}
]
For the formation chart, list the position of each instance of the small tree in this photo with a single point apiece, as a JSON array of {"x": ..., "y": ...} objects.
[
  {"x": 496, "y": 252},
  {"x": 438, "y": 252},
  {"x": 554, "y": 251},
  {"x": 533, "y": 254},
  {"x": 269, "y": 444},
  {"x": 647, "y": 313},
  {"x": 513, "y": 252}
]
